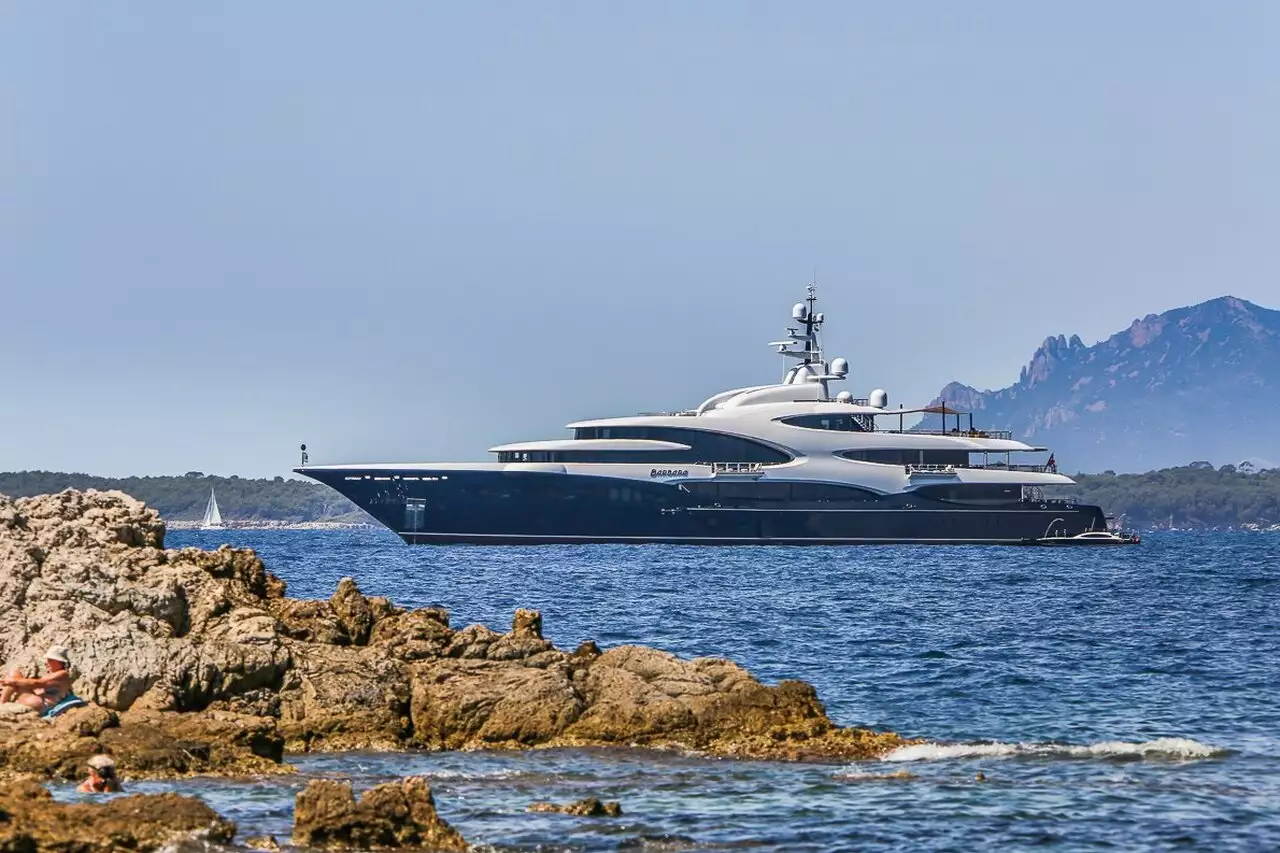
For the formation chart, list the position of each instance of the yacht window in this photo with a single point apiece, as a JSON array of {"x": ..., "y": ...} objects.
[
  {"x": 755, "y": 491},
  {"x": 973, "y": 493},
  {"x": 752, "y": 493},
  {"x": 958, "y": 458},
  {"x": 844, "y": 423},
  {"x": 705, "y": 446},
  {"x": 829, "y": 492}
]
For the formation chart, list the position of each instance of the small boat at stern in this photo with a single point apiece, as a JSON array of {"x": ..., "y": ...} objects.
[{"x": 1092, "y": 537}]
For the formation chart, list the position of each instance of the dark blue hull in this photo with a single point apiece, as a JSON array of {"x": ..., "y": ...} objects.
[{"x": 522, "y": 508}]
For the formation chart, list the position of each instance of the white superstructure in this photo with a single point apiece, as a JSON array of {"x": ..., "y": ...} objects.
[{"x": 855, "y": 468}]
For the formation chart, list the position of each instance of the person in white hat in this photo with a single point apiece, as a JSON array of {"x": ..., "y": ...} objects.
[
  {"x": 42, "y": 692},
  {"x": 102, "y": 776}
]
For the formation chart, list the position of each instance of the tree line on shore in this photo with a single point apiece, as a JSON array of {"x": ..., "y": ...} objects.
[
  {"x": 1191, "y": 496},
  {"x": 183, "y": 498},
  {"x": 1197, "y": 496}
]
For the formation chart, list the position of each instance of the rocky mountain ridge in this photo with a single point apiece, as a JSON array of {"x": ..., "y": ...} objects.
[{"x": 1199, "y": 382}]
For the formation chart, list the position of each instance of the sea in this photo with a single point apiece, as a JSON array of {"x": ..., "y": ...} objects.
[{"x": 1071, "y": 699}]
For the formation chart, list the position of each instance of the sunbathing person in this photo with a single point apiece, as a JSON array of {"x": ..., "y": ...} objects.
[{"x": 45, "y": 691}]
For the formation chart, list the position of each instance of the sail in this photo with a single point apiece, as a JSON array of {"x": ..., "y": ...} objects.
[{"x": 212, "y": 518}]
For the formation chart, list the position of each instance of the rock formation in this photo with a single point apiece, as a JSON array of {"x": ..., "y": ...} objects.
[
  {"x": 394, "y": 815},
  {"x": 590, "y": 807},
  {"x": 144, "y": 743},
  {"x": 31, "y": 822},
  {"x": 197, "y": 662}
]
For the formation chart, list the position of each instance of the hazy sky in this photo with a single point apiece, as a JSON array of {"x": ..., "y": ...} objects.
[{"x": 411, "y": 231}]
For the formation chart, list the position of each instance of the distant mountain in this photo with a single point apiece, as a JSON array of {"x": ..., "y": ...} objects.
[{"x": 1201, "y": 382}]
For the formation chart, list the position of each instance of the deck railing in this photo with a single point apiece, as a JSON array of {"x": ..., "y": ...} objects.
[
  {"x": 931, "y": 469},
  {"x": 1003, "y": 434},
  {"x": 1069, "y": 501},
  {"x": 736, "y": 467}
]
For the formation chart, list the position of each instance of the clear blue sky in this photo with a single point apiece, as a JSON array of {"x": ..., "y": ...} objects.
[{"x": 410, "y": 231}]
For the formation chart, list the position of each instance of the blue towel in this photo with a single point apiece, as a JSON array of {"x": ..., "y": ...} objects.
[{"x": 71, "y": 700}]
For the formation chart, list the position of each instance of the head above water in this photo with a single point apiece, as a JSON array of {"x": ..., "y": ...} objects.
[{"x": 102, "y": 765}]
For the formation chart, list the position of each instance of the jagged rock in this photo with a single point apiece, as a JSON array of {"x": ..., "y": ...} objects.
[
  {"x": 262, "y": 842},
  {"x": 381, "y": 608},
  {"x": 200, "y": 664},
  {"x": 353, "y": 611},
  {"x": 31, "y": 822},
  {"x": 394, "y": 815},
  {"x": 641, "y": 695},
  {"x": 527, "y": 625},
  {"x": 465, "y": 703},
  {"x": 144, "y": 743},
  {"x": 416, "y": 635},
  {"x": 173, "y": 626},
  {"x": 344, "y": 698},
  {"x": 312, "y": 622},
  {"x": 590, "y": 807},
  {"x": 472, "y": 642}
]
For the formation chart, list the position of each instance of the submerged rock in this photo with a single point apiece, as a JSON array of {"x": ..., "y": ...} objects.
[
  {"x": 196, "y": 661},
  {"x": 31, "y": 821},
  {"x": 402, "y": 814},
  {"x": 590, "y": 807}
]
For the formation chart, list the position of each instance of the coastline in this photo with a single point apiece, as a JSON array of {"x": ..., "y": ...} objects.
[
  {"x": 195, "y": 524},
  {"x": 175, "y": 647},
  {"x": 885, "y": 639}
]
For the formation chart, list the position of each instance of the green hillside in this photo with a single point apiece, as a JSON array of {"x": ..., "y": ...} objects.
[
  {"x": 183, "y": 498},
  {"x": 1196, "y": 495}
]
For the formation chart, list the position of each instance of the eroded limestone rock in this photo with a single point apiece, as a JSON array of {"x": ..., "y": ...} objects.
[
  {"x": 208, "y": 667},
  {"x": 144, "y": 743},
  {"x": 402, "y": 814},
  {"x": 31, "y": 822},
  {"x": 590, "y": 807}
]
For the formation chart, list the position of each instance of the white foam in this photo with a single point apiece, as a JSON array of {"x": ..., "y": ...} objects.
[{"x": 1164, "y": 747}]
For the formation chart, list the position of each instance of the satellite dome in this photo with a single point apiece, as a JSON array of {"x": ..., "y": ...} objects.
[
  {"x": 879, "y": 398},
  {"x": 799, "y": 311},
  {"x": 839, "y": 367},
  {"x": 844, "y": 397}
]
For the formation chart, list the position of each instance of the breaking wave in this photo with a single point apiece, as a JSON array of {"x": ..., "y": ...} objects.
[{"x": 1178, "y": 748}]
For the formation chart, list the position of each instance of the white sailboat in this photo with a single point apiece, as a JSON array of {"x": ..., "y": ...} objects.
[{"x": 212, "y": 518}]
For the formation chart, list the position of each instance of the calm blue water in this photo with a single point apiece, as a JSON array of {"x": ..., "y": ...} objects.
[{"x": 1123, "y": 698}]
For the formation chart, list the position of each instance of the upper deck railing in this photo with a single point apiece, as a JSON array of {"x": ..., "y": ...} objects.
[
  {"x": 1003, "y": 434},
  {"x": 914, "y": 468},
  {"x": 1000, "y": 466}
]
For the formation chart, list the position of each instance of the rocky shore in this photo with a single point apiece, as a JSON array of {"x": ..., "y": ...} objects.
[
  {"x": 30, "y": 821},
  {"x": 196, "y": 662}
]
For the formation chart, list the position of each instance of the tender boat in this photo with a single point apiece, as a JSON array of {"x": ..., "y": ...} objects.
[
  {"x": 784, "y": 463},
  {"x": 1092, "y": 537}
]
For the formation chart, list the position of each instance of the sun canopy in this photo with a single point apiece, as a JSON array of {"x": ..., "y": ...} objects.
[{"x": 927, "y": 410}]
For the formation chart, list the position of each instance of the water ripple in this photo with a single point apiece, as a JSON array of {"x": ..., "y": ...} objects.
[{"x": 1072, "y": 699}]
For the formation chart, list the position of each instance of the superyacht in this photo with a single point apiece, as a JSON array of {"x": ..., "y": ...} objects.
[{"x": 785, "y": 463}]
